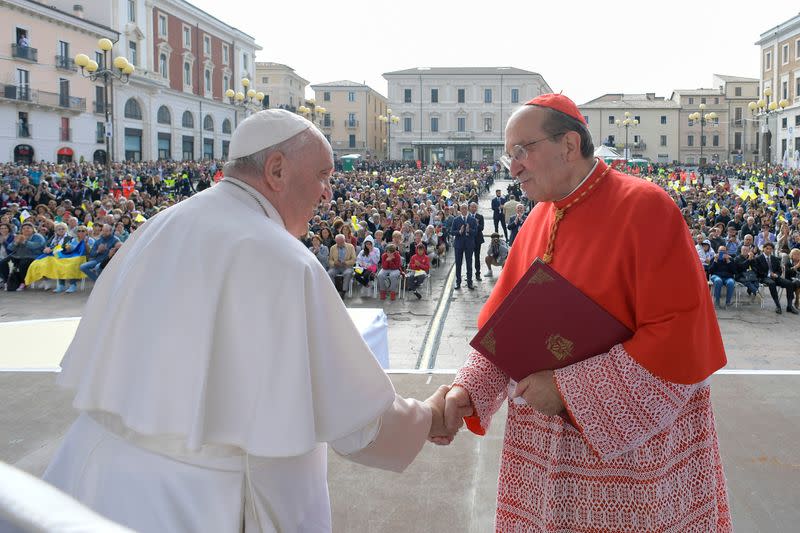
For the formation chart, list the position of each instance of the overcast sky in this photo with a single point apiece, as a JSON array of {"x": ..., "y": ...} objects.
[{"x": 583, "y": 48}]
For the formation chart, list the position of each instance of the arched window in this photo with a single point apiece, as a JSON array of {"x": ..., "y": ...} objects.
[
  {"x": 226, "y": 126},
  {"x": 164, "y": 116},
  {"x": 188, "y": 120},
  {"x": 208, "y": 123},
  {"x": 162, "y": 65},
  {"x": 132, "y": 109}
]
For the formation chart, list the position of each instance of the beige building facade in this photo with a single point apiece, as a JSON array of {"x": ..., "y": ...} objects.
[
  {"x": 351, "y": 121},
  {"x": 655, "y": 137},
  {"x": 702, "y": 141},
  {"x": 666, "y": 130},
  {"x": 456, "y": 113},
  {"x": 742, "y": 127},
  {"x": 45, "y": 104},
  {"x": 283, "y": 88},
  {"x": 780, "y": 76}
]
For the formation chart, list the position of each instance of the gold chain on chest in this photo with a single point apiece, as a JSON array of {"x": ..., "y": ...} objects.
[{"x": 559, "y": 214}]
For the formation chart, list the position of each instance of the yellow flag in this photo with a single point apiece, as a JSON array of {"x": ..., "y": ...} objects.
[
  {"x": 422, "y": 191},
  {"x": 354, "y": 221},
  {"x": 684, "y": 188},
  {"x": 446, "y": 193},
  {"x": 709, "y": 193},
  {"x": 139, "y": 218},
  {"x": 716, "y": 207},
  {"x": 90, "y": 224},
  {"x": 393, "y": 180},
  {"x": 374, "y": 172}
]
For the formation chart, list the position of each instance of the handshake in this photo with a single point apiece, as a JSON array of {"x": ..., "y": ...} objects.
[{"x": 449, "y": 406}]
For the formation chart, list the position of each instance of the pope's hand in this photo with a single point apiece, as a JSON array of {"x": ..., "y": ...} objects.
[
  {"x": 457, "y": 406},
  {"x": 540, "y": 392},
  {"x": 439, "y": 432}
]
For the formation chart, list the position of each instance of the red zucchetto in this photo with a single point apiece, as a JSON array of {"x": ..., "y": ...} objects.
[{"x": 559, "y": 102}]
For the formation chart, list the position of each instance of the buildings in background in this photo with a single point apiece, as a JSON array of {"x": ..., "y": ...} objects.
[
  {"x": 46, "y": 107},
  {"x": 454, "y": 113},
  {"x": 665, "y": 130},
  {"x": 173, "y": 106},
  {"x": 779, "y": 141},
  {"x": 352, "y": 118},
  {"x": 282, "y": 87}
]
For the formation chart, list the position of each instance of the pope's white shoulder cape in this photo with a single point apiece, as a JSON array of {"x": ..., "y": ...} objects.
[{"x": 214, "y": 323}]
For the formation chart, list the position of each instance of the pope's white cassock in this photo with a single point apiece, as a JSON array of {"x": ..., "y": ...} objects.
[{"x": 213, "y": 363}]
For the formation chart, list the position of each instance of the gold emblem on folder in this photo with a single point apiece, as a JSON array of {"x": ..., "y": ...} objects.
[
  {"x": 488, "y": 341},
  {"x": 540, "y": 277},
  {"x": 559, "y": 346}
]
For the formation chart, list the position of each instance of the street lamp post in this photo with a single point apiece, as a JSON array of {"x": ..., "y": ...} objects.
[
  {"x": 707, "y": 118},
  {"x": 120, "y": 70},
  {"x": 248, "y": 99},
  {"x": 312, "y": 111},
  {"x": 627, "y": 124},
  {"x": 765, "y": 109},
  {"x": 389, "y": 119}
]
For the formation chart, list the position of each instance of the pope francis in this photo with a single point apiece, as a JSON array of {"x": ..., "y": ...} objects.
[{"x": 215, "y": 360}]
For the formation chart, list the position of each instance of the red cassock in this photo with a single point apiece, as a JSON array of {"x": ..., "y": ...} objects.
[{"x": 637, "y": 449}]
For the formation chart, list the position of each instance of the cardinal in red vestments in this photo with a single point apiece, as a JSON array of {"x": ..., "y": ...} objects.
[{"x": 625, "y": 440}]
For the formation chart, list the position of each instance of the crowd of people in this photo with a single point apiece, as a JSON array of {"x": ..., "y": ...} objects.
[
  {"x": 389, "y": 223},
  {"x": 385, "y": 227},
  {"x": 745, "y": 221}
]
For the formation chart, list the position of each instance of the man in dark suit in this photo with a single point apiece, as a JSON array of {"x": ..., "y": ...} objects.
[
  {"x": 769, "y": 272},
  {"x": 516, "y": 222},
  {"x": 463, "y": 231},
  {"x": 473, "y": 211},
  {"x": 497, "y": 213}
]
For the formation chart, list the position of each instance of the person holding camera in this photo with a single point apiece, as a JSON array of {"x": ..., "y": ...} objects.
[
  {"x": 496, "y": 254},
  {"x": 723, "y": 272},
  {"x": 745, "y": 269}
]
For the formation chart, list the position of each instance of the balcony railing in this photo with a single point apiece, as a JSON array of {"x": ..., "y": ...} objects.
[
  {"x": 351, "y": 124},
  {"x": 25, "y": 52},
  {"x": 44, "y": 98},
  {"x": 65, "y": 134},
  {"x": 24, "y": 130},
  {"x": 65, "y": 63},
  {"x": 17, "y": 92},
  {"x": 737, "y": 123}
]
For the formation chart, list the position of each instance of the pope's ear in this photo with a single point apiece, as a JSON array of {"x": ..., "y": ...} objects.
[{"x": 275, "y": 171}]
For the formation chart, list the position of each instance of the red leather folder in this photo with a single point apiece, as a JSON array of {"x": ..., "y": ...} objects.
[{"x": 546, "y": 323}]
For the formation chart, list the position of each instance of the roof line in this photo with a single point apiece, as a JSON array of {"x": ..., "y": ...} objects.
[{"x": 73, "y": 16}]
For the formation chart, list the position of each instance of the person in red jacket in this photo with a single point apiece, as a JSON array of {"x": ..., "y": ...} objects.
[
  {"x": 391, "y": 270},
  {"x": 419, "y": 266}
]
